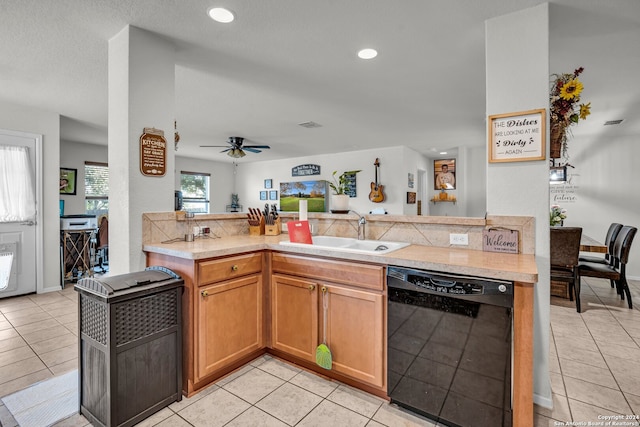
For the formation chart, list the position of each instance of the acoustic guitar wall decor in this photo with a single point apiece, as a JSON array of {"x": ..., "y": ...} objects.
[{"x": 376, "y": 195}]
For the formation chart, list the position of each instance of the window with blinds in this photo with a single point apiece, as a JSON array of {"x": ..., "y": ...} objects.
[
  {"x": 195, "y": 191},
  {"x": 96, "y": 188}
]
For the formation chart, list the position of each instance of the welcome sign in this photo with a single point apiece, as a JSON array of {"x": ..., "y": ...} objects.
[{"x": 500, "y": 240}]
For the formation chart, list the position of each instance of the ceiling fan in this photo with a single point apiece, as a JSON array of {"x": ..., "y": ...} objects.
[{"x": 236, "y": 149}]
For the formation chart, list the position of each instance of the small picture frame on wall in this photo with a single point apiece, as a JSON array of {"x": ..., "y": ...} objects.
[
  {"x": 263, "y": 195},
  {"x": 68, "y": 178},
  {"x": 444, "y": 174},
  {"x": 268, "y": 183},
  {"x": 411, "y": 197},
  {"x": 273, "y": 195}
]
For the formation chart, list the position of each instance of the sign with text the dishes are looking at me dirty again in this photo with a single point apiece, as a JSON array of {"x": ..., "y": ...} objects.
[{"x": 517, "y": 137}]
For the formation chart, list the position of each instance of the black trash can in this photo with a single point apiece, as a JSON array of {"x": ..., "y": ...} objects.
[{"x": 130, "y": 346}]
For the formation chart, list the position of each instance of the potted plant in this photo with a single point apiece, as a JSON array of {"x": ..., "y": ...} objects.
[
  {"x": 557, "y": 216},
  {"x": 340, "y": 200}
]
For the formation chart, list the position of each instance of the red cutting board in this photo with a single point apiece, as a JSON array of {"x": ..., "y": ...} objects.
[{"x": 299, "y": 232}]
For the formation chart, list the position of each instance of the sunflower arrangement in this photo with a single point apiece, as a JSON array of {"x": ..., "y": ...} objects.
[{"x": 566, "y": 109}]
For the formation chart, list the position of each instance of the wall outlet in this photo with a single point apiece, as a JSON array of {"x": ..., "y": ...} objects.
[{"x": 458, "y": 239}]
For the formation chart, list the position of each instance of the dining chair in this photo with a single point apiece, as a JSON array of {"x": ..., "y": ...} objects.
[
  {"x": 102, "y": 248},
  {"x": 618, "y": 270},
  {"x": 564, "y": 253},
  {"x": 609, "y": 240}
]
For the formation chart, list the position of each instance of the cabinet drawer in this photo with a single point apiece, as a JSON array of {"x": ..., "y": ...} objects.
[
  {"x": 349, "y": 273},
  {"x": 227, "y": 268}
]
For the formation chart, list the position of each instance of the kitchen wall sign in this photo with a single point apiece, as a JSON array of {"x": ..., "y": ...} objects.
[
  {"x": 500, "y": 240},
  {"x": 304, "y": 170},
  {"x": 517, "y": 137},
  {"x": 153, "y": 152}
]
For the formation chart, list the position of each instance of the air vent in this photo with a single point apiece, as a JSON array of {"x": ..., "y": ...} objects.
[
  {"x": 310, "y": 125},
  {"x": 613, "y": 122}
]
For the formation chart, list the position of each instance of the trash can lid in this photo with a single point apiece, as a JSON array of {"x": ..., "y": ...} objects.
[{"x": 114, "y": 284}]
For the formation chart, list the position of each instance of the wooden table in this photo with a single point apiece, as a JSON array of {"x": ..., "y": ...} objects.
[{"x": 588, "y": 244}]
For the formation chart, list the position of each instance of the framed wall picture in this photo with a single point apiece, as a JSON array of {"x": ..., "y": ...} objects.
[
  {"x": 273, "y": 195},
  {"x": 411, "y": 197},
  {"x": 557, "y": 174},
  {"x": 268, "y": 183},
  {"x": 68, "y": 179},
  {"x": 517, "y": 137},
  {"x": 314, "y": 192},
  {"x": 263, "y": 195},
  {"x": 444, "y": 174}
]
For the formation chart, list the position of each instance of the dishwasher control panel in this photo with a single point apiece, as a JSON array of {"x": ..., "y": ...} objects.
[{"x": 442, "y": 283}]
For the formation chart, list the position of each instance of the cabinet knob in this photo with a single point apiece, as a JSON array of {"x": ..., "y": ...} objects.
[
  {"x": 234, "y": 267},
  {"x": 324, "y": 289},
  {"x": 312, "y": 287},
  {"x": 204, "y": 293}
]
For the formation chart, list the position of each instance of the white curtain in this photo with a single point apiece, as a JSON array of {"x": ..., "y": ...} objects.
[{"x": 17, "y": 198}]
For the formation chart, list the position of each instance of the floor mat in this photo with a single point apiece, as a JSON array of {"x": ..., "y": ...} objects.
[{"x": 46, "y": 402}]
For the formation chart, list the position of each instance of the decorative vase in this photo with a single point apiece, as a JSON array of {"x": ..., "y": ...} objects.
[
  {"x": 556, "y": 139},
  {"x": 339, "y": 202},
  {"x": 443, "y": 195}
]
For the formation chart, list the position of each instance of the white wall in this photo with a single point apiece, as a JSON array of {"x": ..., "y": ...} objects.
[
  {"x": 392, "y": 174},
  {"x": 517, "y": 56},
  {"x": 31, "y": 120},
  {"x": 73, "y": 155},
  {"x": 413, "y": 162},
  {"x": 222, "y": 181},
  {"x": 603, "y": 187},
  {"x": 395, "y": 165},
  {"x": 250, "y": 176},
  {"x": 476, "y": 183},
  {"x": 141, "y": 91}
]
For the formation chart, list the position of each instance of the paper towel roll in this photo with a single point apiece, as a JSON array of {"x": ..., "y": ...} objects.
[{"x": 302, "y": 208}]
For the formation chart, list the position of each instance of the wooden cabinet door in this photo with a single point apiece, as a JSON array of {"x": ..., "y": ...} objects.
[
  {"x": 356, "y": 333},
  {"x": 294, "y": 316},
  {"x": 229, "y": 323}
]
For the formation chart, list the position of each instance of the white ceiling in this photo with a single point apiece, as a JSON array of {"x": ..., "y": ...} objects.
[{"x": 283, "y": 62}]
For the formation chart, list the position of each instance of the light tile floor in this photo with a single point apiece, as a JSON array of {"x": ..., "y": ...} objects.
[{"x": 594, "y": 369}]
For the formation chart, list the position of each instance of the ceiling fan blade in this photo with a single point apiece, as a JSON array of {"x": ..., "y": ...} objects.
[
  {"x": 218, "y": 146},
  {"x": 251, "y": 149},
  {"x": 256, "y": 146},
  {"x": 228, "y": 149}
]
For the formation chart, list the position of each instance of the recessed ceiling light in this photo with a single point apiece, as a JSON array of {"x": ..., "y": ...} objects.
[
  {"x": 220, "y": 14},
  {"x": 443, "y": 152},
  {"x": 367, "y": 53}
]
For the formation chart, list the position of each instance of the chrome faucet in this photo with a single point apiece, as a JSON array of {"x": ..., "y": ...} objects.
[{"x": 361, "y": 223}]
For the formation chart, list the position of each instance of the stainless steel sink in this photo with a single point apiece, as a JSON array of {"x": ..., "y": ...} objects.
[{"x": 347, "y": 244}]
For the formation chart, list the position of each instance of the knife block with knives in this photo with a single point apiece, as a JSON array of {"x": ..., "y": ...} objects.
[
  {"x": 256, "y": 222},
  {"x": 274, "y": 228}
]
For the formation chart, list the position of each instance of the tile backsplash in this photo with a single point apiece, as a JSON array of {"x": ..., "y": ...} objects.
[{"x": 421, "y": 230}]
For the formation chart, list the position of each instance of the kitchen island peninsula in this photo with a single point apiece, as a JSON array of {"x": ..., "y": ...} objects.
[{"x": 247, "y": 295}]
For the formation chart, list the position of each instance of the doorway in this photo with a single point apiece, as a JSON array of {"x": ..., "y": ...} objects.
[
  {"x": 21, "y": 231},
  {"x": 422, "y": 195}
]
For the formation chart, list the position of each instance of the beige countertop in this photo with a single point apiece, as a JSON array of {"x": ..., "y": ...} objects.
[{"x": 516, "y": 267}]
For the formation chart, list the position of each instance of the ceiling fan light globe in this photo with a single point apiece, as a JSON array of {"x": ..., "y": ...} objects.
[{"x": 236, "y": 153}]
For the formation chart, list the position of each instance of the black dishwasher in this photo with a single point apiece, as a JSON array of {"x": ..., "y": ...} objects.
[{"x": 449, "y": 346}]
